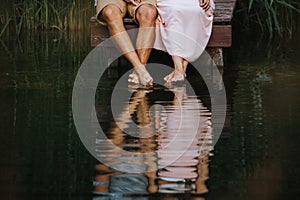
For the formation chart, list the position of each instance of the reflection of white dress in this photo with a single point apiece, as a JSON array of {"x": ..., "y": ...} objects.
[
  {"x": 183, "y": 27},
  {"x": 185, "y": 136}
]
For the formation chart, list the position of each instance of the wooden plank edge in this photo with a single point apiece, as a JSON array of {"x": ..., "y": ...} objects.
[{"x": 221, "y": 36}]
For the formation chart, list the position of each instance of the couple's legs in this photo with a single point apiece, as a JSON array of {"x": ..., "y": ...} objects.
[
  {"x": 180, "y": 65},
  {"x": 145, "y": 15}
]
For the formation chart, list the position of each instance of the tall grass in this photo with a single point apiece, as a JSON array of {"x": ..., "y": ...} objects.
[
  {"x": 279, "y": 17},
  {"x": 40, "y": 15}
]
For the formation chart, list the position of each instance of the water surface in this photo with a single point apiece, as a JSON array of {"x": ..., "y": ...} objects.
[{"x": 42, "y": 156}]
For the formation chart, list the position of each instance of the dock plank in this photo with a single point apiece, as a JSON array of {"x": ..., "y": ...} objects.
[{"x": 224, "y": 10}]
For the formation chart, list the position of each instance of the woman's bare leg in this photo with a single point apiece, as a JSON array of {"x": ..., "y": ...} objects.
[
  {"x": 185, "y": 64},
  {"x": 178, "y": 74}
]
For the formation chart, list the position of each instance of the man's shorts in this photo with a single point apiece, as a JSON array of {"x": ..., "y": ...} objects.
[{"x": 126, "y": 8}]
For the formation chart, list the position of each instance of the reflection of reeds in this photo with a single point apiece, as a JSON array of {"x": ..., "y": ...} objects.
[
  {"x": 272, "y": 16},
  {"x": 44, "y": 60},
  {"x": 37, "y": 15}
]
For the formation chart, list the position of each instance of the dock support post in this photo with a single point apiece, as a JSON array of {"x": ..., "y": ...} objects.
[{"x": 217, "y": 55}]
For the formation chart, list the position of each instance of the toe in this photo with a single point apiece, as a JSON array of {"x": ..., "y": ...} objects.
[
  {"x": 135, "y": 81},
  {"x": 150, "y": 81}
]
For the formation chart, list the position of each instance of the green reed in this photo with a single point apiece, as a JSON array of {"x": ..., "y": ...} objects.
[
  {"x": 271, "y": 16},
  {"x": 43, "y": 15}
]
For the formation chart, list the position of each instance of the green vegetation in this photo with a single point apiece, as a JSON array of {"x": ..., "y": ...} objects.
[
  {"x": 271, "y": 16},
  {"x": 38, "y": 15}
]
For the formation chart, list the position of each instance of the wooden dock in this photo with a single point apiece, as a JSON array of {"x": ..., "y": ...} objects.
[{"x": 221, "y": 36}]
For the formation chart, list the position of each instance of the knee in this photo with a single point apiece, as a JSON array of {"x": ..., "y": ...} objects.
[
  {"x": 111, "y": 13},
  {"x": 146, "y": 14}
]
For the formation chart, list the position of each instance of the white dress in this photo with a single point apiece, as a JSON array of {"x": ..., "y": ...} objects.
[{"x": 183, "y": 28}]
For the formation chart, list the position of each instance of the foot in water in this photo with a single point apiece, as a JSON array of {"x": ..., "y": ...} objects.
[
  {"x": 133, "y": 78},
  {"x": 140, "y": 76},
  {"x": 175, "y": 76}
]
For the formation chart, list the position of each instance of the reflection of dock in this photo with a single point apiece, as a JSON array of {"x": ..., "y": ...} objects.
[{"x": 173, "y": 159}]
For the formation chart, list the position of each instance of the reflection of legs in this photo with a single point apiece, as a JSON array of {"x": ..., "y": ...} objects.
[
  {"x": 179, "y": 70},
  {"x": 139, "y": 104},
  {"x": 180, "y": 95},
  {"x": 203, "y": 174},
  {"x": 113, "y": 16},
  {"x": 145, "y": 15}
]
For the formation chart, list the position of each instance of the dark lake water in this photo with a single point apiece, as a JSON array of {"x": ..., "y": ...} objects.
[{"x": 256, "y": 156}]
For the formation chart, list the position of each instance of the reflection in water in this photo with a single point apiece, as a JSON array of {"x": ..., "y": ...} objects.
[
  {"x": 166, "y": 121},
  {"x": 42, "y": 157}
]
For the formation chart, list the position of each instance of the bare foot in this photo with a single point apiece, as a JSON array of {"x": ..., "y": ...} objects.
[
  {"x": 143, "y": 75},
  {"x": 175, "y": 76},
  {"x": 133, "y": 78},
  {"x": 178, "y": 76},
  {"x": 169, "y": 77}
]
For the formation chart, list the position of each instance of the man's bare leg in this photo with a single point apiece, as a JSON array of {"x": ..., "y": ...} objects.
[
  {"x": 113, "y": 16},
  {"x": 146, "y": 16}
]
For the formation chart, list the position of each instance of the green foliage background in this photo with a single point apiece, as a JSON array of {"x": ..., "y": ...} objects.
[{"x": 279, "y": 17}]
